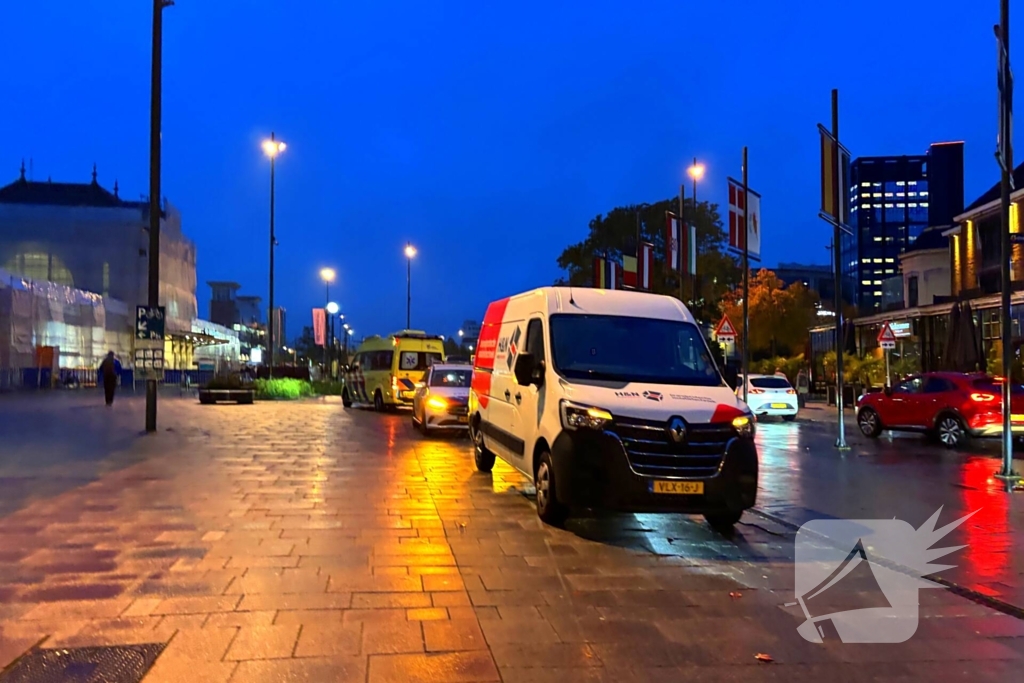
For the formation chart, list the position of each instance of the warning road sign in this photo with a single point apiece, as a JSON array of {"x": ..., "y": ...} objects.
[
  {"x": 725, "y": 331},
  {"x": 886, "y": 337}
]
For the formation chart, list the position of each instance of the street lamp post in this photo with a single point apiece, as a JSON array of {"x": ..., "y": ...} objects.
[
  {"x": 272, "y": 148},
  {"x": 696, "y": 172},
  {"x": 327, "y": 275},
  {"x": 155, "y": 114},
  {"x": 410, "y": 251},
  {"x": 332, "y": 310}
]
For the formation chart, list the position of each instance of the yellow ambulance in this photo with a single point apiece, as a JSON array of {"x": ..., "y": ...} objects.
[{"x": 384, "y": 370}]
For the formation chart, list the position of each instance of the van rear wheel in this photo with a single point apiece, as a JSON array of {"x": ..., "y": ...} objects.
[
  {"x": 549, "y": 509},
  {"x": 378, "y": 401}
]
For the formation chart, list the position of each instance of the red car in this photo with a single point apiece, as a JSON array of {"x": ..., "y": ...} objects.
[{"x": 948, "y": 405}]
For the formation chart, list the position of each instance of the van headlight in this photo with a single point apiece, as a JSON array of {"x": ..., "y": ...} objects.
[
  {"x": 744, "y": 425},
  {"x": 576, "y": 416}
]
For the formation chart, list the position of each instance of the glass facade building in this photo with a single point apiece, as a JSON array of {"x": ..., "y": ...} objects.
[{"x": 892, "y": 201}]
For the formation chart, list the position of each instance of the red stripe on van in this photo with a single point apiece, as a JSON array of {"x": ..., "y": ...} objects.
[
  {"x": 725, "y": 413},
  {"x": 485, "y": 348}
]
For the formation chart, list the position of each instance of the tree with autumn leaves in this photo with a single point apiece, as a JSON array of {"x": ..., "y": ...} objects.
[
  {"x": 614, "y": 234},
  {"x": 780, "y": 316}
]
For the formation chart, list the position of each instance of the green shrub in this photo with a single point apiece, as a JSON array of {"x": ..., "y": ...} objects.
[
  {"x": 326, "y": 388},
  {"x": 282, "y": 389}
]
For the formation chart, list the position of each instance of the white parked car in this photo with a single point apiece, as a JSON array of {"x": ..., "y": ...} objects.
[
  {"x": 441, "y": 398},
  {"x": 770, "y": 395}
]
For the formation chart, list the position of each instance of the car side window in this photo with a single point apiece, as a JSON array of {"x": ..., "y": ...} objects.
[
  {"x": 936, "y": 385},
  {"x": 535, "y": 339},
  {"x": 910, "y": 386}
]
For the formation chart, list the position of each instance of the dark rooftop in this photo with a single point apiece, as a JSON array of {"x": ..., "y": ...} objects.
[
  {"x": 995, "y": 192},
  {"x": 931, "y": 238},
  {"x": 48, "y": 193}
]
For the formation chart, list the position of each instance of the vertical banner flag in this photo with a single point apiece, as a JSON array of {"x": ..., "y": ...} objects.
[
  {"x": 598, "y": 272},
  {"x": 739, "y": 213},
  {"x": 835, "y": 209},
  {"x": 612, "y": 275},
  {"x": 644, "y": 266},
  {"x": 673, "y": 241},
  {"x": 688, "y": 253},
  {"x": 629, "y": 271},
  {"x": 319, "y": 326}
]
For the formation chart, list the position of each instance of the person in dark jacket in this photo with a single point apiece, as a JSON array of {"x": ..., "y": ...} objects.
[{"x": 108, "y": 373}]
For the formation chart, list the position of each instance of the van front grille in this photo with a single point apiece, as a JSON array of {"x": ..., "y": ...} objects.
[{"x": 653, "y": 452}]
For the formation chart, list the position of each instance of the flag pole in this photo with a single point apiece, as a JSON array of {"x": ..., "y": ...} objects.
[
  {"x": 746, "y": 278},
  {"x": 679, "y": 246},
  {"x": 696, "y": 252},
  {"x": 837, "y": 256}
]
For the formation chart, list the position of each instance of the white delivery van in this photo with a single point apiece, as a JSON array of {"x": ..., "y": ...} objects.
[{"x": 610, "y": 399}]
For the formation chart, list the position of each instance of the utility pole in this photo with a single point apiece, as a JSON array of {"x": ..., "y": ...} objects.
[
  {"x": 1004, "y": 154},
  {"x": 837, "y": 265},
  {"x": 746, "y": 278},
  {"x": 155, "y": 104},
  {"x": 273, "y": 243},
  {"x": 696, "y": 251}
]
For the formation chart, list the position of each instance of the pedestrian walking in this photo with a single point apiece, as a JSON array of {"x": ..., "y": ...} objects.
[
  {"x": 803, "y": 387},
  {"x": 108, "y": 373}
]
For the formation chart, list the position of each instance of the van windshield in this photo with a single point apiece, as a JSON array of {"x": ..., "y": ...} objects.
[{"x": 626, "y": 349}]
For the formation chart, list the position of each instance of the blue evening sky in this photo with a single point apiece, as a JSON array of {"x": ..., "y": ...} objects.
[{"x": 488, "y": 134}]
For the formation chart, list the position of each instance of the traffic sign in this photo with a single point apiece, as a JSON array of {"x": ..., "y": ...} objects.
[
  {"x": 725, "y": 331},
  {"x": 149, "y": 322},
  {"x": 886, "y": 337}
]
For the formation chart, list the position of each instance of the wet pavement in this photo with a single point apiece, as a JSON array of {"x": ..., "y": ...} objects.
[{"x": 301, "y": 541}]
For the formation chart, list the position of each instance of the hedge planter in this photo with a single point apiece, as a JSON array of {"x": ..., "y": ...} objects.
[{"x": 240, "y": 396}]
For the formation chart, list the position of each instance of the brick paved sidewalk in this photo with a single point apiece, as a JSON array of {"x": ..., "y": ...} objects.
[{"x": 303, "y": 542}]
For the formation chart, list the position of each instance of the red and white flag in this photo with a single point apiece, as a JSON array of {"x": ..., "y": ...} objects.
[
  {"x": 673, "y": 241},
  {"x": 319, "y": 326},
  {"x": 689, "y": 250},
  {"x": 737, "y": 212},
  {"x": 644, "y": 266}
]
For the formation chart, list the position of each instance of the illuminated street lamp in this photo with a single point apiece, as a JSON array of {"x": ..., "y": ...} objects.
[
  {"x": 410, "y": 251},
  {"x": 272, "y": 148}
]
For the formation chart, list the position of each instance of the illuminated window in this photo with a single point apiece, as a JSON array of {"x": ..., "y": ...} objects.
[
  {"x": 877, "y": 282},
  {"x": 41, "y": 267},
  {"x": 878, "y": 239},
  {"x": 912, "y": 205},
  {"x": 865, "y": 282},
  {"x": 923, "y": 194},
  {"x": 900, "y": 206},
  {"x": 889, "y": 271},
  {"x": 876, "y": 184},
  {"x": 911, "y": 194},
  {"x": 888, "y": 194},
  {"x": 865, "y": 195},
  {"x": 876, "y": 206},
  {"x": 877, "y": 260},
  {"x": 890, "y": 260},
  {"x": 878, "y": 294},
  {"x": 877, "y": 194},
  {"x": 888, "y": 206},
  {"x": 900, "y": 183},
  {"x": 911, "y": 182},
  {"x": 865, "y": 184},
  {"x": 923, "y": 205}
]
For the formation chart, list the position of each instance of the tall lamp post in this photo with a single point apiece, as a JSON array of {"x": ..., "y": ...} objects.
[
  {"x": 332, "y": 310},
  {"x": 155, "y": 112},
  {"x": 327, "y": 275},
  {"x": 696, "y": 172},
  {"x": 410, "y": 251},
  {"x": 272, "y": 148}
]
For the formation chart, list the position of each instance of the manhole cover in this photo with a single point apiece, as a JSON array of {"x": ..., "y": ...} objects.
[{"x": 121, "y": 664}]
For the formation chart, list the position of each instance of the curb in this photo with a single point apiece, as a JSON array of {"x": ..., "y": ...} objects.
[{"x": 964, "y": 592}]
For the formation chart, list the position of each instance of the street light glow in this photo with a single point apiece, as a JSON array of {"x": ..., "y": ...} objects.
[
  {"x": 327, "y": 274},
  {"x": 696, "y": 171},
  {"x": 273, "y": 147},
  {"x": 332, "y": 308},
  {"x": 460, "y": 333},
  {"x": 345, "y": 325},
  {"x": 410, "y": 251},
  {"x": 351, "y": 331}
]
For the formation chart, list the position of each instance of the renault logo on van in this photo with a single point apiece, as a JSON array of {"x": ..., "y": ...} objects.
[{"x": 677, "y": 429}]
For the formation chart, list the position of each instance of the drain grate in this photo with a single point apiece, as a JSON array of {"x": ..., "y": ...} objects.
[{"x": 119, "y": 664}]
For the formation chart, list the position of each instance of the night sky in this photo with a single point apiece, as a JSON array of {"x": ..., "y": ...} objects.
[{"x": 487, "y": 136}]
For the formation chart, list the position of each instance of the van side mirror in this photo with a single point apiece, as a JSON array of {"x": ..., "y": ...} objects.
[{"x": 529, "y": 370}]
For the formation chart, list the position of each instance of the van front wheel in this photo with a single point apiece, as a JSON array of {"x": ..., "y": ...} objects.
[
  {"x": 549, "y": 509},
  {"x": 483, "y": 458}
]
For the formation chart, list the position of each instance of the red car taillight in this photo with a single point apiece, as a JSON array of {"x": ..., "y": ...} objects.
[
  {"x": 790, "y": 391},
  {"x": 755, "y": 391}
]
